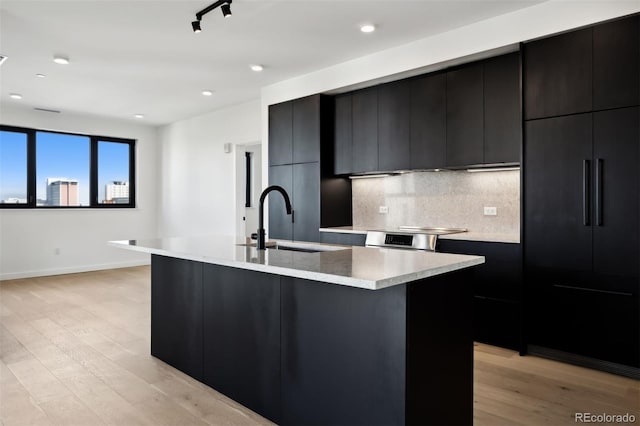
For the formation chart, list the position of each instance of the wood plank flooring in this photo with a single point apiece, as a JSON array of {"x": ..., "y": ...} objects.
[{"x": 74, "y": 350}]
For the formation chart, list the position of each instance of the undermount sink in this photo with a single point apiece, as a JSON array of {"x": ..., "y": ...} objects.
[
  {"x": 290, "y": 248},
  {"x": 299, "y": 247}
]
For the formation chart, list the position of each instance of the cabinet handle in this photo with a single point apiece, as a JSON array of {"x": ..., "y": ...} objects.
[
  {"x": 599, "y": 191},
  {"x": 586, "y": 190}
]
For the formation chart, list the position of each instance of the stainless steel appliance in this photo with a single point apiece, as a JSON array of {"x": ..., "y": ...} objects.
[{"x": 409, "y": 237}]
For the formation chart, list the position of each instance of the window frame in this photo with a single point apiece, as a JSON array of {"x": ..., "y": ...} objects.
[{"x": 93, "y": 170}]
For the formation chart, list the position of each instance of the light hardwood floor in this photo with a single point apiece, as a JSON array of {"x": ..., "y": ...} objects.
[{"x": 74, "y": 350}]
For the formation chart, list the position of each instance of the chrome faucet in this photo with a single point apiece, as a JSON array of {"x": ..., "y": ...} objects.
[{"x": 261, "y": 243}]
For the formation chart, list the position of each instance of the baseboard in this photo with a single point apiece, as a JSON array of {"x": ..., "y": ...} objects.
[
  {"x": 72, "y": 270},
  {"x": 584, "y": 361}
]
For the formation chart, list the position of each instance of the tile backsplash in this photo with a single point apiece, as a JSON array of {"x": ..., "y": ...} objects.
[{"x": 440, "y": 199}]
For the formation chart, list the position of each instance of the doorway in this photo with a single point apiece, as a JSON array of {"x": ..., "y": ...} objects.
[{"x": 248, "y": 187}]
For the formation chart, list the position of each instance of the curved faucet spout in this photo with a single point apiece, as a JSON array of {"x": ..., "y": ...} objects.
[{"x": 261, "y": 243}]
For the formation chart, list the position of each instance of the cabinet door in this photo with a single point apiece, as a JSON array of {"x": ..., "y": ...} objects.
[
  {"x": 306, "y": 129},
  {"x": 465, "y": 116},
  {"x": 280, "y": 133},
  {"x": 502, "y": 110},
  {"x": 428, "y": 122},
  {"x": 365, "y": 130},
  {"x": 280, "y": 225},
  {"x": 558, "y": 75},
  {"x": 393, "y": 126},
  {"x": 306, "y": 202},
  {"x": 557, "y": 188},
  {"x": 616, "y": 47},
  {"x": 616, "y": 229},
  {"x": 242, "y": 337},
  {"x": 343, "y": 136},
  {"x": 176, "y": 313}
]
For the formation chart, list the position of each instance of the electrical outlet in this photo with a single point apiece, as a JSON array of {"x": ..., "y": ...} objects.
[
  {"x": 383, "y": 209},
  {"x": 490, "y": 211}
]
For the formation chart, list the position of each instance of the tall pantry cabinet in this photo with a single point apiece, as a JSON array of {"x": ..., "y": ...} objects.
[{"x": 582, "y": 195}]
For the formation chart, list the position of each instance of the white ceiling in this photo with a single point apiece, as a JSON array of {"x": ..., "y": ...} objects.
[{"x": 141, "y": 56}]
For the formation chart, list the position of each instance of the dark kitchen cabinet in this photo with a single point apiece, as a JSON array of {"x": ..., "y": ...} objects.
[
  {"x": 343, "y": 238},
  {"x": 616, "y": 68},
  {"x": 428, "y": 128},
  {"x": 281, "y": 134},
  {"x": 465, "y": 116},
  {"x": 280, "y": 223},
  {"x": 394, "y": 120},
  {"x": 581, "y": 225},
  {"x": 365, "y": 130},
  {"x": 558, "y": 75},
  {"x": 242, "y": 337},
  {"x": 306, "y": 129},
  {"x": 497, "y": 290},
  {"x": 302, "y": 183},
  {"x": 176, "y": 312},
  {"x": 306, "y": 201},
  {"x": 343, "y": 135},
  {"x": 502, "y": 110}
]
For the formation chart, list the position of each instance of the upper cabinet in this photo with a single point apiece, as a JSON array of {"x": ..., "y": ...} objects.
[
  {"x": 394, "y": 120},
  {"x": 502, "y": 110},
  {"x": 428, "y": 135},
  {"x": 365, "y": 130},
  {"x": 465, "y": 111},
  {"x": 295, "y": 131},
  {"x": 592, "y": 69},
  {"x": 343, "y": 135}
]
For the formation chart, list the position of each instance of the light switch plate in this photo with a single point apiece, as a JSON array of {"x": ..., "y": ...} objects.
[{"x": 490, "y": 211}]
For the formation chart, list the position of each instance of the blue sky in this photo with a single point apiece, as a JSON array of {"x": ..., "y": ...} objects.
[{"x": 58, "y": 155}]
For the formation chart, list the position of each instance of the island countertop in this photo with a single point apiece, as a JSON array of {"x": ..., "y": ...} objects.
[{"x": 362, "y": 267}]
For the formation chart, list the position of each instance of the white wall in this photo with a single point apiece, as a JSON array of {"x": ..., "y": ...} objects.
[
  {"x": 29, "y": 237},
  {"x": 197, "y": 182}
]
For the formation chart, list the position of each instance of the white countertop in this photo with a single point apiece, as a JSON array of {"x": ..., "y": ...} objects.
[
  {"x": 464, "y": 236},
  {"x": 363, "y": 267}
]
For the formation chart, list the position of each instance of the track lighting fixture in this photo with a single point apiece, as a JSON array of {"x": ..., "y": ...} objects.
[{"x": 225, "y": 6}]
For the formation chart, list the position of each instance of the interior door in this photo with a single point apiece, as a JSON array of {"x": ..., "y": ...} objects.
[
  {"x": 616, "y": 229},
  {"x": 558, "y": 214}
]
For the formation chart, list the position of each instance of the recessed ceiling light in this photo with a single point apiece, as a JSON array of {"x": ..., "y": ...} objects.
[
  {"x": 368, "y": 28},
  {"x": 207, "y": 92},
  {"x": 60, "y": 60},
  {"x": 257, "y": 68},
  {"x": 40, "y": 75},
  {"x": 139, "y": 116},
  {"x": 16, "y": 96}
]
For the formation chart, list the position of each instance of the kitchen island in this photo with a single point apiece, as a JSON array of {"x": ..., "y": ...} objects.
[{"x": 346, "y": 335}]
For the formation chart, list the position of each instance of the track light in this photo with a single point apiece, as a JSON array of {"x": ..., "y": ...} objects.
[
  {"x": 225, "y": 6},
  {"x": 226, "y": 10}
]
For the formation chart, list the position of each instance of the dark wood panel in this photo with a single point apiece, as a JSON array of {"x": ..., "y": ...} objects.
[
  {"x": 497, "y": 322},
  {"x": 280, "y": 225},
  {"x": 616, "y": 151},
  {"x": 394, "y": 100},
  {"x": 280, "y": 133},
  {"x": 556, "y": 235},
  {"x": 616, "y": 67},
  {"x": 306, "y": 129},
  {"x": 428, "y": 121},
  {"x": 343, "y": 357},
  {"x": 502, "y": 109},
  {"x": 242, "y": 337},
  {"x": 465, "y": 116},
  {"x": 176, "y": 313},
  {"x": 343, "y": 136},
  {"x": 341, "y": 238},
  {"x": 335, "y": 199},
  {"x": 365, "y": 130},
  {"x": 558, "y": 75},
  {"x": 306, "y": 202}
]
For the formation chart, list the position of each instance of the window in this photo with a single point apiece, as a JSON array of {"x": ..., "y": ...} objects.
[{"x": 62, "y": 170}]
